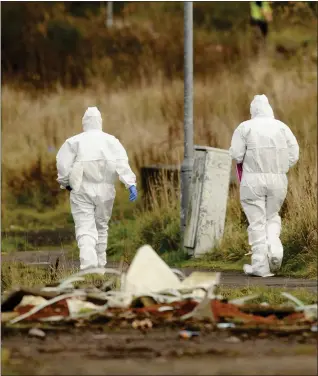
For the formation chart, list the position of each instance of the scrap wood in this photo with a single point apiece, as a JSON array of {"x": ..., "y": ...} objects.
[
  {"x": 162, "y": 314},
  {"x": 8, "y": 316},
  {"x": 222, "y": 310},
  {"x": 178, "y": 308},
  {"x": 150, "y": 297},
  {"x": 262, "y": 310},
  {"x": 40, "y": 307},
  {"x": 59, "y": 308},
  {"x": 15, "y": 297}
]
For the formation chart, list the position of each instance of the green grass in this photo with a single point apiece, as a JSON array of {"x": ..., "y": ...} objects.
[
  {"x": 18, "y": 274},
  {"x": 271, "y": 295},
  {"x": 15, "y": 243},
  {"x": 14, "y": 275},
  {"x": 24, "y": 219},
  {"x": 206, "y": 263},
  {"x": 160, "y": 229}
]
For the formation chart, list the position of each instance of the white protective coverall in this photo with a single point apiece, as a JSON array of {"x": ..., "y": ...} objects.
[
  {"x": 90, "y": 162},
  {"x": 267, "y": 148}
]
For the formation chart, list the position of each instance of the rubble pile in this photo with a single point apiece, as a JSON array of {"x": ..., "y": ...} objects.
[{"x": 151, "y": 295}]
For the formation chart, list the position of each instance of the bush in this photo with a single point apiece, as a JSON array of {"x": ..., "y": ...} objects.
[
  {"x": 34, "y": 186},
  {"x": 223, "y": 16},
  {"x": 70, "y": 44},
  {"x": 159, "y": 228}
]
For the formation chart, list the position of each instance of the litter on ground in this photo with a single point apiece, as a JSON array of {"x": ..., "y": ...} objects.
[{"x": 150, "y": 295}]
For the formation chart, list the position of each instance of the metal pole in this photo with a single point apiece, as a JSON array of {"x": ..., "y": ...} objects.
[
  {"x": 186, "y": 167},
  {"x": 109, "y": 21}
]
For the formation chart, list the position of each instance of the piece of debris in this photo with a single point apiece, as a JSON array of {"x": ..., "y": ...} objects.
[
  {"x": 77, "y": 307},
  {"x": 165, "y": 308},
  {"x": 149, "y": 273},
  {"x": 202, "y": 311},
  {"x": 225, "y": 325},
  {"x": 148, "y": 295},
  {"x": 200, "y": 281},
  {"x": 187, "y": 334},
  {"x": 8, "y": 316},
  {"x": 233, "y": 339},
  {"x": 244, "y": 299},
  {"x": 35, "y": 332},
  {"x": 31, "y": 300},
  {"x": 142, "y": 324}
]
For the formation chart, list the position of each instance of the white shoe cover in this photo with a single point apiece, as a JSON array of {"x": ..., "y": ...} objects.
[{"x": 248, "y": 269}]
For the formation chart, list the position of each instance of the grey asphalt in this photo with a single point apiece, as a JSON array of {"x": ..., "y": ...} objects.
[{"x": 228, "y": 278}]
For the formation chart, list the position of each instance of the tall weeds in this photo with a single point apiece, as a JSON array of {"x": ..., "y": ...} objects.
[{"x": 148, "y": 119}]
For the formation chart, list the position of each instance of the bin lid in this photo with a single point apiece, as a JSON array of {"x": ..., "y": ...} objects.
[{"x": 209, "y": 148}]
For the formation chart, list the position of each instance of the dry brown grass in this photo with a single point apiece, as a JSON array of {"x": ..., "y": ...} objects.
[
  {"x": 150, "y": 118},
  {"x": 149, "y": 122}
]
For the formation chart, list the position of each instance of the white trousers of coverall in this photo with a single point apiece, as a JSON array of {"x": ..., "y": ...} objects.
[
  {"x": 262, "y": 196},
  {"x": 91, "y": 210}
]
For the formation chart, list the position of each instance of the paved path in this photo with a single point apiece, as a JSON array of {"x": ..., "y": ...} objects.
[{"x": 228, "y": 278}]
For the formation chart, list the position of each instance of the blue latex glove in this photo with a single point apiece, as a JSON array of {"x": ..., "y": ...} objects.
[{"x": 133, "y": 193}]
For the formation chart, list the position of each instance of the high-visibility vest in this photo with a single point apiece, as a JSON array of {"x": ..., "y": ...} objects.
[{"x": 256, "y": 10}]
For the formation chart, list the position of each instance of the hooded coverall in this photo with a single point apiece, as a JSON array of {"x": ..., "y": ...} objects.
[
  {"x": 89, "y": 163},
  {"x": 268, "y": 149}
]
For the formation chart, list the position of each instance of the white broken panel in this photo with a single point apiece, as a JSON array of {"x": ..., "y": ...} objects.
[
  {"x": 201, "y": 280},
  {"x": 208, "y": 192},
  {"x": 149, "y": 273},
  {"x": 194, "y": 199}
]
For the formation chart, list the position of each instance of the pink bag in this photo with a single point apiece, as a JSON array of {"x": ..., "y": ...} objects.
[{"x": 239, "y": 171}]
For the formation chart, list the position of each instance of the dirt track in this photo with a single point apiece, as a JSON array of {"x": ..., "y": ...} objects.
[
  {"x": 229, "y": 279},
  {"x": 159, "y": 352}
]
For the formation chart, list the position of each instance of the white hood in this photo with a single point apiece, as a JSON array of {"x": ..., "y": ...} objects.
[
  {"x": 261, "y": 107},
  {"x": 92, "y": 119}
]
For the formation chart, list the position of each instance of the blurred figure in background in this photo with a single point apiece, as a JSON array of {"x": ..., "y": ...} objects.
[
  {"x": 267, "y": 149},
  {"x": 88, "y": 165},
  {"x": 261, "y": 16}
]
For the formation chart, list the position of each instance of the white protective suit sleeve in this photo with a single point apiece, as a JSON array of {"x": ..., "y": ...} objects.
[
  {"x": 64, "y": 162},
  {"x": 125, "y": 173},
  {"x": 238, "y": 145},
  {"x": 293, "y": 147}
]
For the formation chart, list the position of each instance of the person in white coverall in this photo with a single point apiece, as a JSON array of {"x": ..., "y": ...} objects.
[
  {"x": 88, "y": 165},
  {"x": 267, "y": 149}
]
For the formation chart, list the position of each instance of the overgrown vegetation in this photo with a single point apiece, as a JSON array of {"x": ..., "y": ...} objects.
[
  {"x": 140, "y": 96},
  {"x": 71, "y": 45},
  {"x": 17, "y": 274}
]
